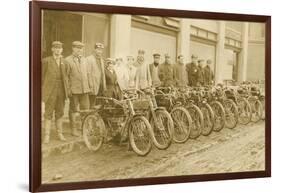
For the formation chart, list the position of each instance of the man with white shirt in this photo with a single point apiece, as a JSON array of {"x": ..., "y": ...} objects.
[
  {"x": 131, "y": 69},
  {"x": 121, "y": 73},
  {"x": 54, "y": 90},
  {"x": 143, "y": 77}
]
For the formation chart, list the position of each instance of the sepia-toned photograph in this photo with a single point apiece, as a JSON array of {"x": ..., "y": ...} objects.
[{"x": 138, "y": 96}]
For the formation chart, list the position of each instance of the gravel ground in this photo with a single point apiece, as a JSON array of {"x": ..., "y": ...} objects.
[{"x": 236, "y": 150}]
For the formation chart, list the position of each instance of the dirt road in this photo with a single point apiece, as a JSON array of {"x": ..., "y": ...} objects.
[{"x": 239, "y": 149}]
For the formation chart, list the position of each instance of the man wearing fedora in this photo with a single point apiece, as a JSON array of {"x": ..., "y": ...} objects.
[
  {"x": 54, "y": 90},
  {"x": 79, "y": 80},
  {"x": 97, "y": 74}
]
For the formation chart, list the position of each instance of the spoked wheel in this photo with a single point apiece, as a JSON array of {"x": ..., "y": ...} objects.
[
  {"x": 256, "y": 107},
  {"x": 94, "y": 131},
  {"x": 219, "y": 113},
  {"x": 231, "y": 113},
  {"x": 208, "y": 116},
  {"x": 163, "y": 129},
  {"x": 140, "y": 135},
  {"x": 182, "y": 124},
  {"x": 197, "y": 121},
  {"x": 244, "y": 111}
]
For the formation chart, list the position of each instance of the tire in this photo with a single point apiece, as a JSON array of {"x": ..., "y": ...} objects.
[
  {"x": 256, "y": 107},
  {"x": 197, "y": 121},
  {"x": 231, "y": 113},
  {"x": 244, "y": 111},
  {"x": 219, "y": 113},
  {"x": 163, "y": 135},
  {"x": 208, "y": 116},
  {"x": 182, "y": 124},
  {"x": 94, "y": 131},
  {"x": 140, "y": 131}
]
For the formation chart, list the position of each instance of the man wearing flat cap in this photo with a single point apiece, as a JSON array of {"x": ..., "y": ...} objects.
[
  {"x": 79, "y": 80},
  {"x": 143, "y": 77},
  {"x": 192, "y": 71},
  {"x": 54, "y": 90},
  {"x": 97, "y": 74},
  {"x": 154, "y": 70},
  {"x": 181, "y": 76},
  {"x": 166, "y": 72},
  {"x": 200, "y": 80},
  {"x": 208, "y": 73}
]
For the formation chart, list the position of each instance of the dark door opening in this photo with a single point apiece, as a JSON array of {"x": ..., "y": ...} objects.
[{"x": 60, "y": 26}]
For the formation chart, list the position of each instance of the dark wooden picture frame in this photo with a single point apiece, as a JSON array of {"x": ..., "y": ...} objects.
[{"x": 35, "y": 8}]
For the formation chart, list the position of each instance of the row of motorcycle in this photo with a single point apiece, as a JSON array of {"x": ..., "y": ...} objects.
[{"x": 159, "y": 116}]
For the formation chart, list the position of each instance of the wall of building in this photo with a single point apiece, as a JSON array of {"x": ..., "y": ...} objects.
[
  {"x": 153, "y": 42},
  {"x": 256, "y": 52},
  {"x": 99, "y": 24},
  {"x": 226, "y": 43},
  {"x": 256, "y": 61},
  {"x": 209, "y": 25}
]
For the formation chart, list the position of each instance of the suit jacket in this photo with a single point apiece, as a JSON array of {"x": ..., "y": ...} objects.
[
  {"x": 132, "y": 76},
  {"x": 143, "y": 77},
  {"x": 97, "y": 75},
  {"x": 201, "y": 76},
  {"x": 193, "y": 74},
  {"x": 78, "y": 75},
  {"x": 166, "y": 74},
  {"x": 113, "y": 90},
  {"x": 208, "y": 75},
  {"x": 122, "y": 74},
  {"x": 155, "y": 80},
  {"x": 49, "y": 70},
  {"x": 180, "y": 75}
]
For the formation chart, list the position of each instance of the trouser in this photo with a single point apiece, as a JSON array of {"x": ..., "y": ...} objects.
[
  {"x": 55, "y": 103},
  {"x": 77, "y": 102},
  {"x": 92, "y": 99}
]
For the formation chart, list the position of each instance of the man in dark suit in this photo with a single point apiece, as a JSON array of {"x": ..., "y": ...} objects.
[
  {"x": 54, "y": 90},
  {"x": 78, "y": 73},
  {"x": 192, "y": 69},
  {"x": 154, "y": 70},
  {"x": 208, "y": 73},
  {"x": 166, "y": 72},
  {"x": 200, "y": 79}
]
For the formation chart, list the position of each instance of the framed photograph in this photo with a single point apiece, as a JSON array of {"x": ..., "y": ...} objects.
[{"x": 126, "y": 96}]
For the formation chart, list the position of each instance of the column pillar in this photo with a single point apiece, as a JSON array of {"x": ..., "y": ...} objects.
[
  {"x": 183, "y": 40},
  {"x": 120, "y": 35},
  {"x": 220, "y": 52},
  {"x": 243, "y": 55}
]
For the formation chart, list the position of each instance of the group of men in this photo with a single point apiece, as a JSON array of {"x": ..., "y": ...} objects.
[{"x": 81, "y": 79}]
